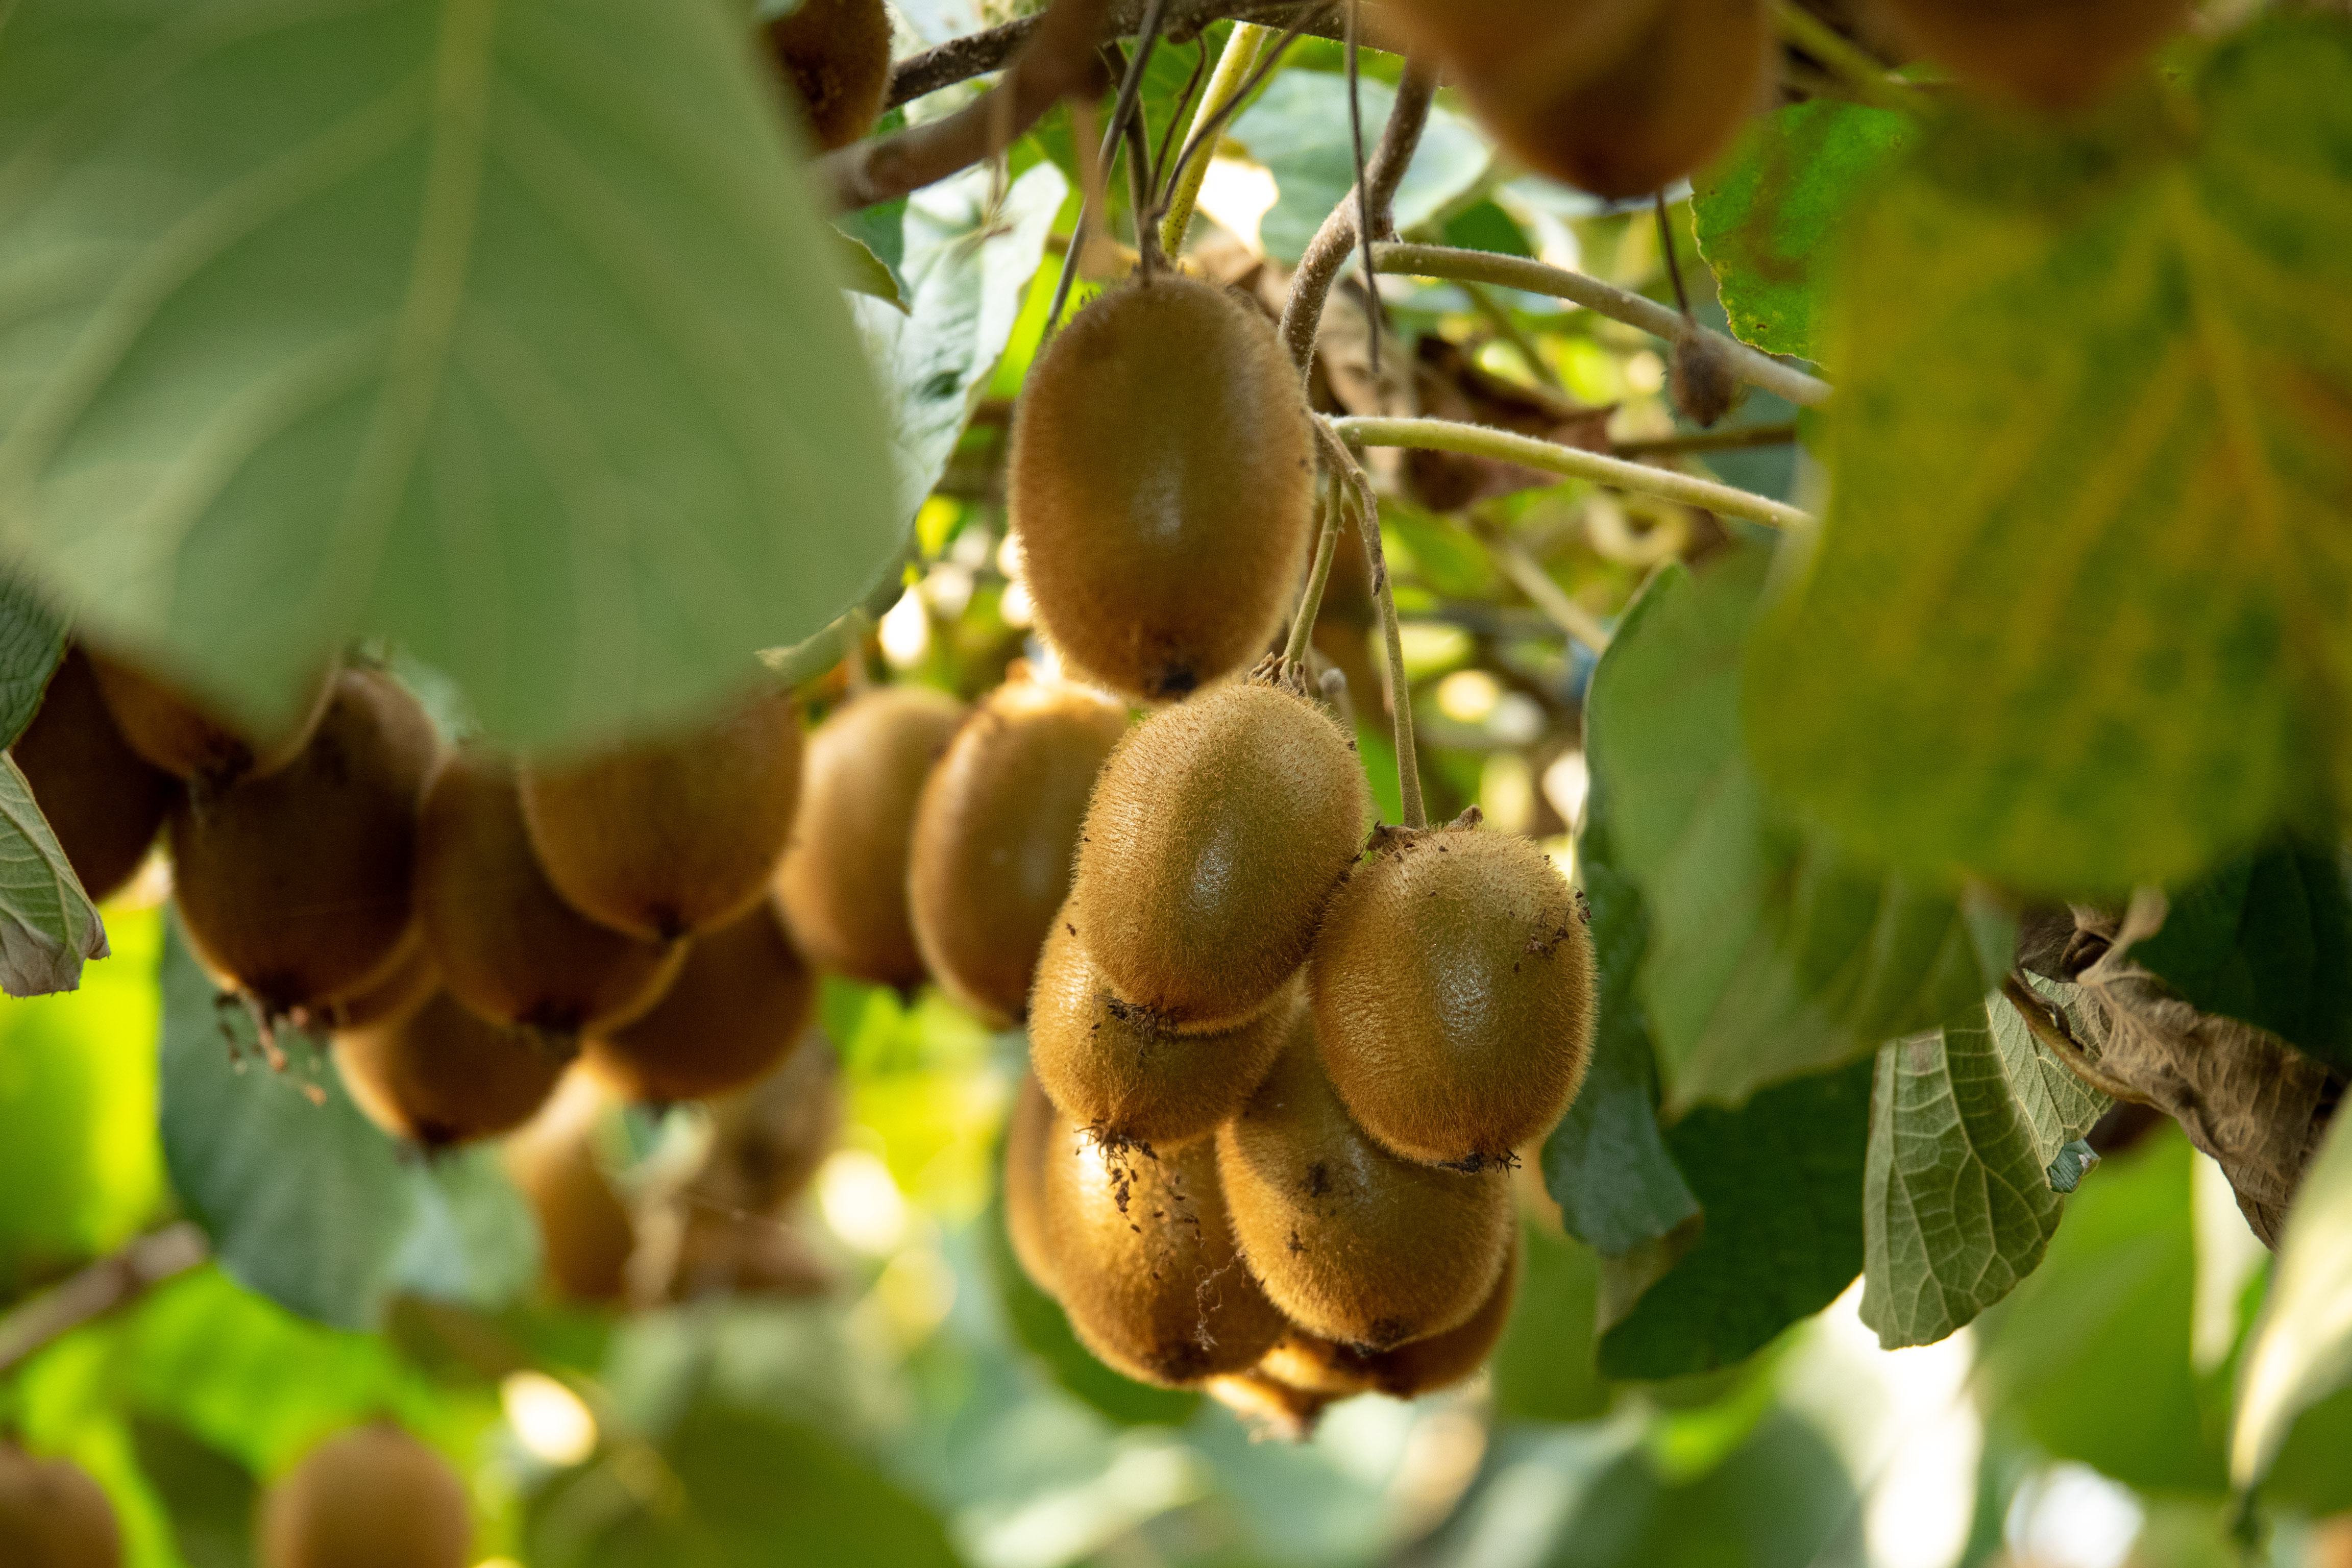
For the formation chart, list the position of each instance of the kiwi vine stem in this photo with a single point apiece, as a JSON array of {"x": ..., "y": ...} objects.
[
  {"x": 1484, "y": 441},
  {"x": 1870, "y": 80},
  {"x": 1311, "y": 603},
  {"x": 1546, "y": 595},
  {"x": 1234, "y": 65},
  {"x": 1750, "y": 365},
  {"x": 102, "y": 1288},
  {"x": 1335, "y": 242},
  {"x": 1345, "y": 470}
]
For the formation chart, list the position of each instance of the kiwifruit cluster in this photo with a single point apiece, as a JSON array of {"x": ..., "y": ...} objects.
[
  {"x": 104, "y": 801},
  {"x": 835, "y": 55},
  {"x": 52, "y": 1515},
  {"x": 372, "y": 1497},
  {"x": 2051, "y": 57}
]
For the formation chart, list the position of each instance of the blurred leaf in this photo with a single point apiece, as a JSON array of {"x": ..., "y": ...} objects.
[
  {"x": 2074, "y": 620},
  {"x": 864, "y": 272},
  {"x": 1769, "y": 215},
  {"x": 2266, "y": 939},
  {"x": 49, "y": 927},
  {"x": 212, "y": 1497},
  {"x": 2302, "y": 1348},
  {"x": 1772, "y": 952},
  {"x": 1484, "y": 225},
  {"x": 1298, "y": 130},
  {"x": 32, "y": 640},
  {"x": 1780, "y": 1186},
  {"x": 1957, "y": 1204},
  {"x": 882, "y": 230},
  {"x": 509, "y": 333},
  {"x": 1543, "y": 1369}
]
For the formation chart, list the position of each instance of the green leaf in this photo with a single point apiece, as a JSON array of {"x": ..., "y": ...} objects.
[
  {"x": 505, "y": 332},
  {"x": 1957, "y": 1203},
  {"x": 2301, "y": 1348},
  {"x": 882, "y": 230},
  {"x": 1298, "y": 130},
  {"x": 864, "y": 272},
  {"x": 1780, "y": 1182},
  {"x": 2059, "y": 1108},
  {"x": 1543, "y": 1369},
  {"x": 2266, "y": 939},
  {"x": 32, "y": 641},
  {"x": 49, "y": 927},
  {"x": 210, "y": 1496},
  {"x": 1772, "y": 951},
  {"x": 1769, "y": 215},
  {"x": 2074, "y": 622}
]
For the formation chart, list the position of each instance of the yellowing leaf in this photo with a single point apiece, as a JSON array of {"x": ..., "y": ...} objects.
[{"x": 2301, "y": 1348}]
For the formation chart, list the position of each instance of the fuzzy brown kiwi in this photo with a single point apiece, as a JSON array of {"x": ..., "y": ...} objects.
[
  {"x": 181, "y": 735},
  {"x": 1217, "y": 833},
  {"x": 587, "y": 1232},
  {"x": 104, "y": 801},
  {"x": 996, "y": 834},
  {"x": 2052, "y": 57},
  {"x": 1161, "y": 483},
  {"x": 735, "y": 1011},
  {"x": 372, "y": 1497},
  {"x": 404, "y": 989},
  {"x": 1352, "y": 1243},
  {"x": 297, "y": 885},
  {"x": 835, "y": 53},
  {"x": 506, "y": 944},
  {"x": 1125, "y": 1074},
  {"x": 844, "y": 881},
  {"x": 674, "y": 836},
  {"x": 768, "y": 1141},
  {"x": 1317, "y": 1365},
  {"x": 52, "y": 1515},
  {"x": 1452, "y": 985},
  {"x": 444, "y": 1075},
  {"x": 1267, "y": 1406},
  {"x": 1025, "y": 1134},
  {"x": 1141, "y": 1247}
]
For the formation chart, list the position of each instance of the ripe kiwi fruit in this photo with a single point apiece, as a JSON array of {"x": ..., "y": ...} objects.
[
  {"x": 674, "y": 836},
  {"x": 297, "y": 886},
  {"x": 1317, "y": 1365},
  {"x": 1352, "y": 1243},
  {"x": 52, "y": 1515},
  {"x": 836, "y": 56},
  {"x": 1025, "y": 1135},
  {"x": 844, "y": 881},
  {"x": 735, "y": 1011},
  {"x": 1218, "y": 830},
  {"x": 444, "y": 1075},
  {"x": 1161, "y": 483},
  {"x": 407, "y": 986},
  {"x": 2052, "y": 56},
  {"x": 1125, "y": 1074},
  {"x": 104, "y": 801},
  {"x": 506, "y": 944},
  {"x": 372, "y": 1497},
  {"x": 587, "y": 1232},
  {"x": 768, "y": 1141},
  {"x": 183, "y": 737},
  {"x": 995, "y": 835},
  {"x": 1141, "y": 1247},
  {"x": 1452, "y": 983}
]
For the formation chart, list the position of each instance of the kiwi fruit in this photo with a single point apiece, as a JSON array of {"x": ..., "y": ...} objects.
[
  {"x": 372, "y": 1497},
  {"x": 52, "y": 1515},
  {"x": 671, "y": 837},
  {"x": 996, "y": 833},
  {"x": 1141, "y": 1249},
  {"x": 587, "y": 1232},
  {"x": 1218, "y": 830},
  {"x": 407, "y": 986},
  {"x": 1317, "y": 1365},
  {"x": 1351, "y": 1243},
  {"x": 1452, "y": 983},
  {"x": 1268, "y": 1405},
  {"x": 444, "y": 1075},
  {"x": 845, "y": 878},
  {"x": 183, "y": 736},
  {"x": 768, "y": 1141},
  {"x": 1162, "y": 484},
  {"x": 104, "y": 801},
  {"x": 735, "y": 1011},
  {"x": 1025, "y": 1134},
  {"x": 506, "y": 944},
  {"x": 1705, "y": 386},
  {"x": 1127, "y": 1075},
  {"x": 2053, "y": 56},
  {"x": 835, "y": 53},
  {"x": 297, "y": 885}
]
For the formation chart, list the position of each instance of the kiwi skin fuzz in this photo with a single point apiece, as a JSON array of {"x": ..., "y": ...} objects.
[
  {"x": 52, "y": 1515},
  {"x": 670, "y": 838},
  {"x": 1126, "y": 1075},
  {"x": 844, "y": 881},
  {"x": 1217, "y": 833},
  {"x": 2052, "y": 58},
  {"x": 587, "y": 1232},
  {"x": 996, "y": 836},
  {"x": 1025, "y": 1134},
  {"x": 181, "y": 736},
  {"x": 104, "y": 801},
  {"x": 444, "y": 1076},
  {"x": 297, "y": 885},
  {"x": 1453, "y": 992},
  {"x": 836, "y": 56},
  {"x": 1141, "y": 1249},
  {"x": 1353, "y": 1244},
  {"x": 1317, "y": 1366},
  {"x": 735, "y": 1011},
  {"x": 1161, "y": 482},
  {"x": 374, "y": 1497}
]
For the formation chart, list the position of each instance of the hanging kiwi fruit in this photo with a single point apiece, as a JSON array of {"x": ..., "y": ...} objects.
[
  {"x": 2050, "y": 57},
  {"x": 845, "y": 878},
  {"x": 587, "y": 1231},
  {"x": 1317, "y": 1366},
  {"x": 1218, "y": 830},
  {"x": 738, "y": 1007},
  {"x": 443, "y": 1075},
  {"x": 670, "y": 838},
  {"x": 1025, "y": 1134},
  {"x": 372, "y": 1497},
  {"x": 296, "y": 885},
  {"x": 1126, "y": 1075},
  {"x": 835, "y": 55},
  {"x": 506, "y": 944},
  {"x": 405, "y": 987},
  {"x": 186, "y": 738},
  {"x": 52, "y": 1515},
  {"x": 768, "y": 1141},
  {"x": 1161, "y": 482},
  {"x": 103, "y": 800},
  {"x": 996, "y": 836}
]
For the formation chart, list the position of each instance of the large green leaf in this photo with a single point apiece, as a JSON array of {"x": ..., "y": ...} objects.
[
  {"x": 49, "y": 927},
  {"x": 2075, "y": 617},
  {"x": 32, "y": 640},
  {"x": 2058, "y": 1107},
  {"x": 1772, "y": 952},
  {"x": 1769, "y": 215},
  {"x": 2302, "y": 1350},
  {"x": 506, "y": 332},
  {"x": 1298, "y": 130},
  {"x": 2267, "y": 938}
]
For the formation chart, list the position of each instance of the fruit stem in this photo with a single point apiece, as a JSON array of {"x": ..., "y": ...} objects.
[
  {"x": 1311, "y": 603},
  {"x": 1345, "y": 470},
  {"x": 1869, "y": 78},
  {"x": 1234, "y": 67},
  {"x": 1546, "y": 595},
  {"x": 1666, "y": 248},
  {"x": 1335, "y": 242}
]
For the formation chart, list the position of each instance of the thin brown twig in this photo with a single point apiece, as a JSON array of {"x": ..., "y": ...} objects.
[
  {"x": 102, "y": 1288},
  {"x": 1328, "y": 252}
]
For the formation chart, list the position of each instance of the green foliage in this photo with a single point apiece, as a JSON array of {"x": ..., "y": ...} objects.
[
  {"x": 2301, "y": 1348},
  {"x": 1298, "y": 130},
  {"x": 2073, "y": 622},
  {"x": 49, "y": 927},
  {"x": 2058, "y": 1108},
  {"x": 32, "y": 640},
  {"x": 2266, "y": 938},
  {"x": 211, "y": 1497},
  {"x": 1543, "y": 1369}
]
